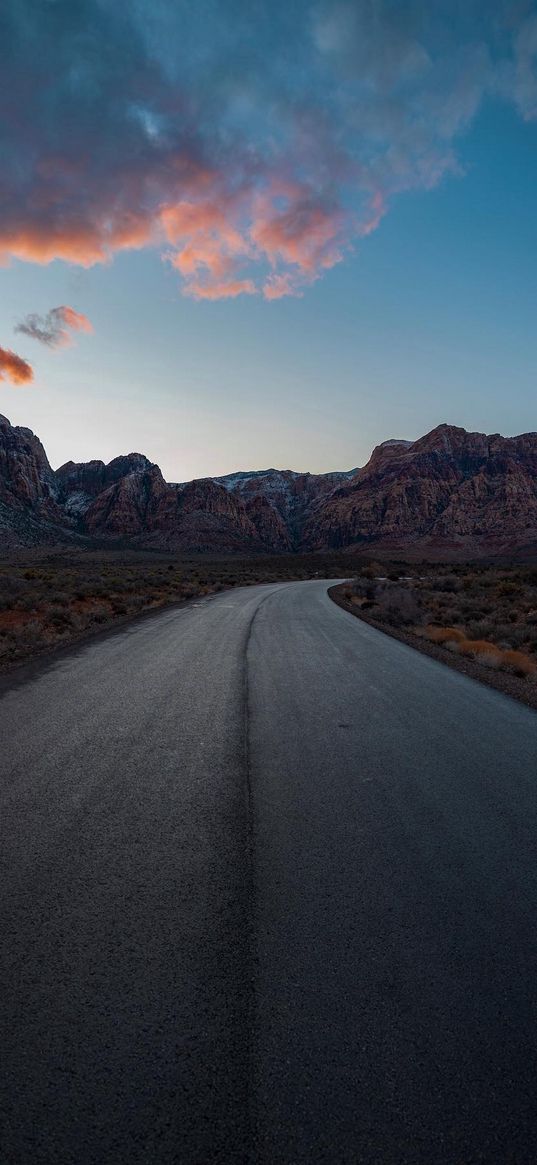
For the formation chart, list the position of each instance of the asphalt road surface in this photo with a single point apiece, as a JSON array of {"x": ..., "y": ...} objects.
[{"x": 268, "y": 894}]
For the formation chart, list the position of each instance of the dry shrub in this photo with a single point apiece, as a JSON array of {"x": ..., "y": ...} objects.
[
  {"x": 444, "y": 635},
  {"x": 448, "y": 582},
  {"x": 483, "y": 651},
  {"x": 99, "y": 613},
  {"x": 372, "y": 570},
  {"x": 397, "y": 605},
  {"x": 509, "y": 589},
  {"x": 491, "y": 658},
  {"x": 496, "y": 609},
  {"x": 519, "y": 663},
  {"x": 453, "y": 645},
  {"x": 477, "y": 647}
]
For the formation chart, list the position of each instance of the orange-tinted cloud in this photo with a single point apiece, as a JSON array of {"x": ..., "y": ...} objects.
[
  {"x": 54, "y": 329},
  {"x": 218, "y": 243},
  {"x": 303, "y": 233},
  {"x": 14, "y": 369},
  {"x": 75, "y": 320},
  {"x": 84, "y": 244},
  {"x": 210, "y": 247},
  {"x": 227, "y": 289}
]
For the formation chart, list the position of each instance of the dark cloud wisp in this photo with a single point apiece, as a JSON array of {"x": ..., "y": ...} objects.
[{"x": 54, "y": 329}]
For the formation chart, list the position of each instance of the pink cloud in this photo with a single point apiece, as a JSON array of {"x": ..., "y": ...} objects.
[
  {"x": 37, "y": 242},
  {"x": 83, "y": 244},
  {"x": 303, "y": 233},
  {"x": 75, "y": 320},
  {"x": 278, "y": 286},
  {"x": 209, "y": 247},
  {"x": 219, "y": 242},
  {"x": 287, "y": 227},
  {"x": 223, "y": 290}
]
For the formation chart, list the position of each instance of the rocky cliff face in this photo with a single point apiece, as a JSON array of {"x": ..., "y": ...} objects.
[
  {"x": 449, "y": 493},
  {"x": 272, "y": 532},
  {"x": 29, "y": 509},
  {"x": 128, "y": 499},
  {"x": 289, "y": 494},
  {"x": 26, "y": 478},
  {"x": 200, "y": 516},
  {"x": 79, "y": 484},
  {"x": 123, "y": 509}
]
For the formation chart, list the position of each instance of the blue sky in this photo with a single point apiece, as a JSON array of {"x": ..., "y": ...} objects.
[{"x": 397, "y": 321}]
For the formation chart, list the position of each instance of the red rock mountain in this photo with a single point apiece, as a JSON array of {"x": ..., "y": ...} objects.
[
  {"x": 29, "y": 511},
  {"x": 79, "y": 483},
  {"x": 450, "y": 493},
  {"x": 289, "y": 494}
]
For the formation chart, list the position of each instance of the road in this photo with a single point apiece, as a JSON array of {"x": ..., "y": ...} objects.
[{"x": 268, "y": 894}]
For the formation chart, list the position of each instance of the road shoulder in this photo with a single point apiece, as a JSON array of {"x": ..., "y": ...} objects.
[{"x": 518, "y": 689}]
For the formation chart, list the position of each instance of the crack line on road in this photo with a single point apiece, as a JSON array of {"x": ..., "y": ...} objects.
[{"x": 251, "y": 887}]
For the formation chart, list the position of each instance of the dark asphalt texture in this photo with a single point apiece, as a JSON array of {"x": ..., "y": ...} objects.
[{"x": 268, "y": 894}]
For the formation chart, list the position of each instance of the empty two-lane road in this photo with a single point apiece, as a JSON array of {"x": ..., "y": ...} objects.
[{"x": 268, "y": 894}]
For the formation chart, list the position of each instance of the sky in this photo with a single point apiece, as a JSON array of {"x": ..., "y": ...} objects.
[{"x": 240, "y": 234}]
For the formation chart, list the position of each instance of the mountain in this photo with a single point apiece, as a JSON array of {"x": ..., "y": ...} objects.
[
  {"x": 128, "y": 500},
  {"x": 292, "y": 495},
  {"x": 79, "y": 484},
  {"x": 450, "y": 493},
  {"x": 198, "y": 516},
  {"x": 29, "y": 510},
  {"x": 124, "y": 501}
]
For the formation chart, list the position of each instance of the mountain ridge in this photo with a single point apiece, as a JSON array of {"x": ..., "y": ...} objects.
[{"x": 450, "y": 491}]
